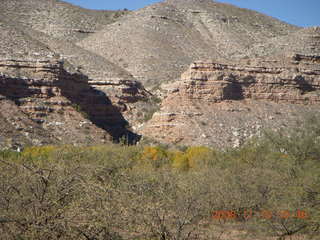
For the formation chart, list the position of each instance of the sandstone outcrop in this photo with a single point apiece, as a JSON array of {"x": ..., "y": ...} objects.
[
  {"x": 294, "y": 82},
  {"x": 45, "y": 79},
  {"x": 225, "y": 103},
  {"x": 30, "y": 45},
  {"x": 126, "y": 95},
  {"x": 61, "y": 104}
]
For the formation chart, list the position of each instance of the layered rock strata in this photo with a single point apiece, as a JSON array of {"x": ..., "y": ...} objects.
[
  {"x": 27, "y": 45},
  {"x": 225, "y": 103},
  {"x": 126, "y": 95},
  {"x": 295, "y": 82},
  {"x": 61, "y": 104}
]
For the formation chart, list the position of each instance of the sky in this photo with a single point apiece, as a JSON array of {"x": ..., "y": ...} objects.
[{"x": 303, "y": 13}]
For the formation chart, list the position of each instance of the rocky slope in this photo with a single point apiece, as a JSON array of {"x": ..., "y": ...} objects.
[
  {"x": 121, "y": 87},
  {"x": 157, "y": 43},
  {"x": 305, "y": 42},
  {"x": 226, "y": 103},
  {"x": 57, "y": 18},
  {"x": 16, "y": 44}
]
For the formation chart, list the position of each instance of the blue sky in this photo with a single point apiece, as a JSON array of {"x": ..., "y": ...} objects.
[{"x": 299, "y": 12}]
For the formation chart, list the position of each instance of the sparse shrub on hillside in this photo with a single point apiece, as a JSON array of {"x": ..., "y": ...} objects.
[
  {"x": 148, "y": 112},
  {"x": 43, "y": 152},
  {"x": 9, "y": 154},
  {"x": 80, "y": 110},
  {"x": 301, "y": 143},
  {"x": 150, "y": 107}
]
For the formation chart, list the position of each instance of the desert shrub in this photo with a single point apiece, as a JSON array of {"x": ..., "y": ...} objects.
[
  {"x": 148, "y": 112},
  {"x": 275, "y": 174},
  {"x": 151, "y": 106},
  {"x": 9, "y": 155},
  {"x": 34, "y": 201},
  {"x": 38, "y": 152},
  {"x": 135, "y": 192},
  {"x": 180, "y": 161},
  {"x": 196, "y": 157},
  {"x": 155, "y": 156},
  {"x": 300, "y": 143},
  {"x": 200, "y": 156},
  {"x": 299, "y": 153},
  {"x": 166, "y": 205}
]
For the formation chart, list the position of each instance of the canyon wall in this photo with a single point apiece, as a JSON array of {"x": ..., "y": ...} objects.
[
  {"x": 295, "y": 81},
  {"x": 62, "y": 105},
  {"x": 224, "y": 104}
]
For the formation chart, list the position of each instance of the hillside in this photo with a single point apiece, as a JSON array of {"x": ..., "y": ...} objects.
[
  {"x": 184, "y": 120},
  {"x": 157, "y": 43},
  {"x": 305, "y": 42},
  {"x": 46, "y": 96},
  {"x": 57, "y": 18},
  {"x": 17, "y": 44},
  {"x": 52, "y": 26},
  {"x": 67, "y": 65}
]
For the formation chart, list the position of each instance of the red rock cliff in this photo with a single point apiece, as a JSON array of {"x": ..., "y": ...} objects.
[{"x": 225, "y": 103}]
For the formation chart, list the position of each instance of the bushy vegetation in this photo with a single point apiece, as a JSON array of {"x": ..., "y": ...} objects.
[
  {"x": 148, "y": 108},
  {"x": 153, "y": 192}
]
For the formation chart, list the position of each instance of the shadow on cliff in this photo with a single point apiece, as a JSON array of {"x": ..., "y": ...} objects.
[
  {"x": 97, "y": 106},
  {"x": 233, "y": 91},
  {"x": 303, "y": 84},
  {"x": 14, "y": 89}
]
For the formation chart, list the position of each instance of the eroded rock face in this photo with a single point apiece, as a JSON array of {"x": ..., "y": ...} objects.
[
  {"x": 62, "y": 105},
  {"x": 294, "y": 82},
  {"x": 225, "y": 103},
  {"x": 126, "y": 95}
]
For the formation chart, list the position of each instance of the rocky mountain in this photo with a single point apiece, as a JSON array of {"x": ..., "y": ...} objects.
[
  {"x": 57, "y": 18},
  {"x": 72, "y": 75},
  {"x": 157, "y": 43}
]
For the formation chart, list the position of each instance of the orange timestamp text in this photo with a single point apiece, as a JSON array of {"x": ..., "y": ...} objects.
[{"x": 264, "y": 214}]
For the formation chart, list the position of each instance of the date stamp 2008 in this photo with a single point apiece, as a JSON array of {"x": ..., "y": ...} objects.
[{"x": 264, "y": 214}]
